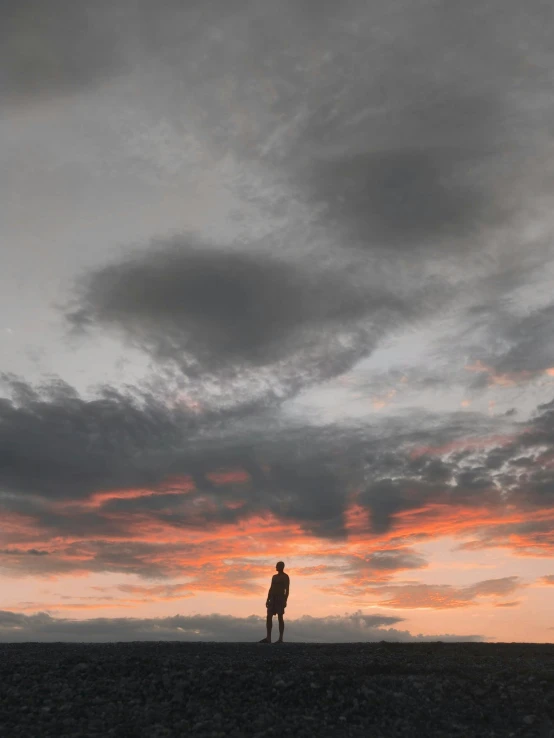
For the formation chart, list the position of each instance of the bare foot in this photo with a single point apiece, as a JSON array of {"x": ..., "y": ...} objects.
[
  {"x": 279, "y": 641},
  {"x": 264, "y": 640}
]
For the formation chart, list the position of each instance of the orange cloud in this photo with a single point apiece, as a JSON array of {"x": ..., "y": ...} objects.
[
  {"x": 463, "y": 444},
  {"x": 506, "y": 379},
  {"x": 99, "y": 605},
  {"x": 547, "y": 580},
  {"x": 382, "y": 401},
  {"x": 427, "y": 596},
  {"x": 159, "y": 592},
  {"x": 19, "y": 527},
  {"x": 231, "y": 557},
  {"x": 144, "y": 542},
  {"x": 173, "y": 485},
  {"x": 514, "y": 603},
  {"x": 234, "y": 476},
  {"x": 176, "y": 487}
]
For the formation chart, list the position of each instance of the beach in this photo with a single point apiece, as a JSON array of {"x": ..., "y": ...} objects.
[{"x": 152, "y": 689}]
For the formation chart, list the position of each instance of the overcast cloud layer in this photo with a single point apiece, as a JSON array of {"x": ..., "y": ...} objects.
[{"x": 274, "y": 271}]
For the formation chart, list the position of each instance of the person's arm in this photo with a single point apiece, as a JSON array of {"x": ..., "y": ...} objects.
[
  {"x": 269, "y": 591},
  {"x": 288, "y": 589}
]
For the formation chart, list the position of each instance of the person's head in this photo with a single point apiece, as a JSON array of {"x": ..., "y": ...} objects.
[{"x": 280, "y": 566}]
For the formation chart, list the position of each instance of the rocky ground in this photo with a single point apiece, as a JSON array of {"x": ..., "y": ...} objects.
[{"x": 155, "y": 689}]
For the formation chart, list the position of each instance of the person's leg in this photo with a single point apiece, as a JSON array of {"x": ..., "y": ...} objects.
[
  {"x": 281, "y": 627},
  {"x": 269, "y": 625}
]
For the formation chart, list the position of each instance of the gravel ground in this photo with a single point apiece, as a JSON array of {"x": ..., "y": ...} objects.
[{"x": 151, "y": 689}]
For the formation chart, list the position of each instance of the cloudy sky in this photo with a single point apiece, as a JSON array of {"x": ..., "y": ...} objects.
[{"x": 276, "y": 284}]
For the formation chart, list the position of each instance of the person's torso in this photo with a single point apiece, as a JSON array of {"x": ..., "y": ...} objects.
[{"x": 279, "y": 584}]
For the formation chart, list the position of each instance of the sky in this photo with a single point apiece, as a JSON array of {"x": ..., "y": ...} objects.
[{"x": 276, "y": 285}]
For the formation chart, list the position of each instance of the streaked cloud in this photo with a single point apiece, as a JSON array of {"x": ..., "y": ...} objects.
[
  {"x": 425, "y": 596},
  {"x": 113, "y": 469}
]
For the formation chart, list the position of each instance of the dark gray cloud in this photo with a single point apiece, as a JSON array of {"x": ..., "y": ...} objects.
[
  {"x": 219, "y": 306},
  {"x": 524, "y": 343},
  {"x": 64, "y": 448},
  {"x": 377, "y": 115},
  {"x": 405, "y": 198},
  {"x": 226, "y": 315},
  {"x": 43, "y": 627},
  {"x": 55, "y": 444},
  {"x": 397, "y": 142},
  {"x": 487, "y": 475},
  {"x": 499, "y": 346},
  {"x": 59, "y": 46},
  {"x": 406, "y": 120},
  {"x": 412, "y": 124}
]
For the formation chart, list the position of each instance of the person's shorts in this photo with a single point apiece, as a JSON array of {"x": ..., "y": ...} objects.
[{"x": 276, "y": 605}]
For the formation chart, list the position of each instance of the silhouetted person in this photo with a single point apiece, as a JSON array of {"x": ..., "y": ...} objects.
[{"x": 277, "y": 601}]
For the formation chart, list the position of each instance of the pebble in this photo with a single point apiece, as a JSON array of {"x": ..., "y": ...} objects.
[{"x": 80, "y": 667}]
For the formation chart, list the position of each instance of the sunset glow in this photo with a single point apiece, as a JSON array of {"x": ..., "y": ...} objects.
[{"x": 277, "y": 286}]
